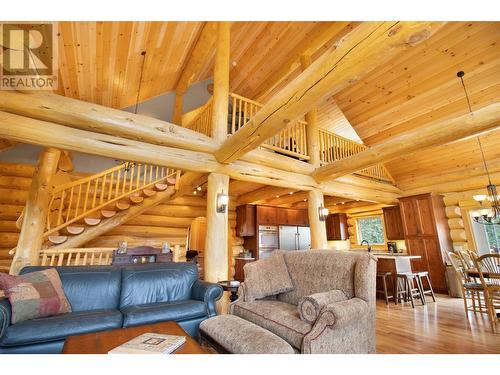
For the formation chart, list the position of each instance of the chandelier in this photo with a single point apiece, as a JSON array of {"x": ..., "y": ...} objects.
[{"x": 486, "y": 215}]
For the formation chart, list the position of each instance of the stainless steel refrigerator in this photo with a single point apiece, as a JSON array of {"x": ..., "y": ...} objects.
[{"x": 294, "y": 238}]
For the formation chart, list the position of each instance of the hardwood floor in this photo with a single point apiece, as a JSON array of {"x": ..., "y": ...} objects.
[{"x": 436, "y": 328}]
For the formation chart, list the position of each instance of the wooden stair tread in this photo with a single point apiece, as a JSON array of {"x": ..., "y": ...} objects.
[
  {"x": 136, "y": 199},
  {"x": 161, "y": 187},
  {"x": 73, "y": 229},
  {"x": 148, "y": 192},
  {"x": 58, "y": 239},
  {"x": 108, "y": 213},
  {"x": 171, "y": 180},
  {"x": 122, "y": 206},
  {"x": 91, "y": 220}
]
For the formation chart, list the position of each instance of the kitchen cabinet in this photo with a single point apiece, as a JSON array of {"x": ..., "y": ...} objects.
[
  {"x": 336, "y": 227},
  {"x": 393, "y": 223},
  {"x": 267, "y": 215},
  {"x": 245, "y": 220},
  {"x": 427, "y": 234},
  {"x": 291, "y": 216}
]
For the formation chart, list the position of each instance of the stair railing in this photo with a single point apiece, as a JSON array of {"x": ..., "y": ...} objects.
[
  {"x": 202, "y": 122},
  {"x": 72, "y": 202},
  {"x": 333, "y": 147}
]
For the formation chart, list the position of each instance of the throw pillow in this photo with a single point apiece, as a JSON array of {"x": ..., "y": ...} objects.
[
  {"x": 266, "y": 277},
  {"x": 34, "y": 295},
  {"x": 311, "y": 306}
]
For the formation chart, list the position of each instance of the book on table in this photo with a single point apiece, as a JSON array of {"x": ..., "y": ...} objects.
[{"x": 150, "y": 343}]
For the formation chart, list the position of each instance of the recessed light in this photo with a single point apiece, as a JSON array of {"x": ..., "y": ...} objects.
[
  {"x": 198, "y": 188},
  {"x": 234, "y": 63},
  {"x": 290, "y": 193},
  {"x": 194, "y": 192},
  {"x": 305, "y": 199},
  {"x": 277, "y": 196}
]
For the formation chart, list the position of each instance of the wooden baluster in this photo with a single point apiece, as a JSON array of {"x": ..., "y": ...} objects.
[
  {"x": 96, "y": 185},
  {"x": 77, "y": 207},
  {"x": 100, "y": 259},
  {"x": 60, "y": 260},
  {"x": 131, "y": 180},
  {"x": 61, "y": 205},
  {"x": 138, "y": 171},
  {"x": 77, "y": 259},
  {"x": 44, "y": 259},
  {"x": 86, "y": 198},
  {"x": 92, "y": 258},
  {"x": 68, "y": 261},
  {"x": 151, "y": 173},
  {"x": 85, "y": 256},
  {"x": 240, "y": 115},
  {"x": 68, "y": 209},
  {"x": 52, "y": 259},
  {"x": 124, "y": 181},
  {"x": 110, "y": 190},
  {"x": 233, "y": 116},
  {"x": 107, "y": 258},
  {"x": 117, "y": 187}
]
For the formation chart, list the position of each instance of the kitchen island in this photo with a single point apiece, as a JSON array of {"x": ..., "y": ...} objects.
[{"x": 393, "y": 263}]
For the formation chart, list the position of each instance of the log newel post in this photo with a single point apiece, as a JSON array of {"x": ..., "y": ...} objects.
[
  {"x": 177, "y": 110},
  {"x": 35, "y": 212},
  {"x": 312, "y": 134},
  {"x": 216, "y": 239},
  {"x": 221, "y": 82},
  {"x": 318, "y": 227}
]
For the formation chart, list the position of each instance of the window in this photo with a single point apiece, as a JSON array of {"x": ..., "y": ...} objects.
[
  {"x": 371, "y": 229},
  {"x": 486, "y": 237},
  {"x": 493, "y": 236}
]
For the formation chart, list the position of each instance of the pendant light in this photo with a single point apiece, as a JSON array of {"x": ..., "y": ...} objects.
[{"x": 486, "y": 215}]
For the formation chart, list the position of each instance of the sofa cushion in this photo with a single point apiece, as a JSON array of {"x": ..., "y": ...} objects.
[
  {"x": 311, "y": 306},
  {"x": 61, "y": 326},
  {"x": 316, "y": 271},
  {"x": 165, "y": 282},
  {"x": 34, "y": 295},
  {"x": 266, "y": 277},
  {"x": 163, "y": 311},
  {"x": 89, "y": 288},
  {"x": 280, "y": 318}
]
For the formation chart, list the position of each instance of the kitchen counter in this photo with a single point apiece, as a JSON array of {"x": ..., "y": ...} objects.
[{"x": 393, "y": 256}]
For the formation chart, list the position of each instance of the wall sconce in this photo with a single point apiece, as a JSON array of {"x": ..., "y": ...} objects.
[
  {"x": 222, "y": 201},
  {"x": 323, "y": 213}
]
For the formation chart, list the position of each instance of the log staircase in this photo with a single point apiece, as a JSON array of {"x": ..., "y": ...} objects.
[{"x": 78, "y": 209}]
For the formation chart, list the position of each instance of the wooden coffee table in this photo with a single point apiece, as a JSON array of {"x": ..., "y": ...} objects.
[{"x": 103, "y": 342}]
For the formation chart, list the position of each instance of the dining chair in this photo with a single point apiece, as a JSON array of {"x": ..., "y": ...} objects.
[
  {"x": 471, "y": 291},
  {"x": 466, "y": 258},
  {"x": 488, "y": 267}
]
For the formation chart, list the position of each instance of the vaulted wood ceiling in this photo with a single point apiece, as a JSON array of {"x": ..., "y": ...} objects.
[{"x": 101, "y": 62}]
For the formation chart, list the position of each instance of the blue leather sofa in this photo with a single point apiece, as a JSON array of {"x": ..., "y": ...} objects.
[{"x": 108, "y": 297}]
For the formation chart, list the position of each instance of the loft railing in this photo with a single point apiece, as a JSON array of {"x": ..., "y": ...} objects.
[
  {"x": 76, "y": 200},
  {"x": 290, "y": 141},
  {"x": 333, "y": 147},
  {"x": 202, "y": 122}
]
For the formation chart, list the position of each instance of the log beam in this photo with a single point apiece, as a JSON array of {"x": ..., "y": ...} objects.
[
  {"x": 35, "y": 212},
  {"x": 437, "y": 133},
  {"x": 362, "y": 50},
  {"x": 47, "y": 134},
  {"x": 216, "y": 239},
  {"x": 221, "y": 82}
]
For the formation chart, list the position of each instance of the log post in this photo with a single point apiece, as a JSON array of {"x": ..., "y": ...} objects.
[
  {"x": 216, "y": 239},
  {"x": 35, "y": 212},
  {"x": 318, "y": 227},
  {"x": 221, "y": 82},
  {"x": 312, "y": 135},
  {"x": 177, "y": 111}
]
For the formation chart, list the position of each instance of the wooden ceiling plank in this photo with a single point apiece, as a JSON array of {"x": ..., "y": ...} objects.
[
  {"x": 363, "y": 49},
  {"x": 260, "y": 196},
  {"x": 202, "y": 48},
  {"x": 309, "y": 45},
  {"x": 439, "y": 132}
]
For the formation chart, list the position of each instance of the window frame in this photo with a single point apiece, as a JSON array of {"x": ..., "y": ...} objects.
[{"x": 358, "y": 229}]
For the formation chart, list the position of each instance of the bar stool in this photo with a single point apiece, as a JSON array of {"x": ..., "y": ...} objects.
[
  {"x": 384, "y": 276},
  {"x": 420, "y": 276},
  {"x": 408, "y": 285}
]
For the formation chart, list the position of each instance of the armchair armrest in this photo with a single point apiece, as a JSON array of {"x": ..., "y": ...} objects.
[
  {"x": 310, "y": 307},
  {"x": 208, "y": 293},
  {"x": 5, "y": 315},
  {"x": 342, "y": 328}
]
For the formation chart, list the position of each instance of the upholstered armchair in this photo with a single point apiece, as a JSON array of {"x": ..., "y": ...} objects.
[{"x": 329, "y": 309}]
